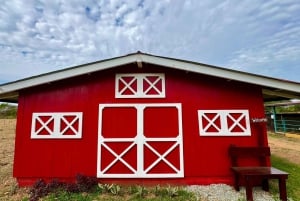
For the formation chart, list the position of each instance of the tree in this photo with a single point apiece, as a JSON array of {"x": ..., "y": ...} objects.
[
  {"x": 288, "y": 108},
  {"x": 8, "y": 111}
]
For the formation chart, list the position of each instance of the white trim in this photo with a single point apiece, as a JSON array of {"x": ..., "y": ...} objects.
[
  {"x": 139, "y": 91},
  {"x": 222, "y": 73},
  {"x": 140, "y": 141},
  {"x": 66, "y": 73},
  {"x": 156, "y": 60},
  {"x": 57, "y": 132},
  {"x": 224, "y": 129}
]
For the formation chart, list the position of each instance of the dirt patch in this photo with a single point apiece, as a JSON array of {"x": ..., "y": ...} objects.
[
  {"x": 285, "y": 147},
  {"x": 8, "y": 185}
]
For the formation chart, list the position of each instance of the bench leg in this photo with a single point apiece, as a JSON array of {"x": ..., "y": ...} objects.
[
  {"x": 249, "y": 187},
  {"x": 236, "y": 182},
  {"x": 265, "y": 184},
  {"x": 282, "y": 189}
]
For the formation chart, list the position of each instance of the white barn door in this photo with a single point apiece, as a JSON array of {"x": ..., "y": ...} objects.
[{"x": 140, "y": 141}]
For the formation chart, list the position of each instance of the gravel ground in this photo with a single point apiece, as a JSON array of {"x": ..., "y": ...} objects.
[{"x": 223, "y": 192}]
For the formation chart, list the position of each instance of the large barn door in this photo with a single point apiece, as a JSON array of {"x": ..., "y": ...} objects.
[{"x": 140, "y": 141}]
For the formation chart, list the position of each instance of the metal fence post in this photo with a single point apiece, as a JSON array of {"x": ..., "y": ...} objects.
[{"x": 274, "y": 118}]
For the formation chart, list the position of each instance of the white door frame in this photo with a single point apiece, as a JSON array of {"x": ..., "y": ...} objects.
[{"x": 140, "y": 141}]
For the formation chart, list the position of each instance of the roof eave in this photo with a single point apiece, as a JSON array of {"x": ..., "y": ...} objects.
[{"x": 11, "y": 97}]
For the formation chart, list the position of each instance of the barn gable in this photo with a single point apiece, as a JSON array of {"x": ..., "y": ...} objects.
[{"x": 138, "y": 118}]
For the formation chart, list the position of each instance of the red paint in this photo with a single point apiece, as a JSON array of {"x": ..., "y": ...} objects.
[{"x": 206, "y": 159}]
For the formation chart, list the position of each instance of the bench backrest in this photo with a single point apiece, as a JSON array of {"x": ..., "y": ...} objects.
[{"x": 260, "y": 153}]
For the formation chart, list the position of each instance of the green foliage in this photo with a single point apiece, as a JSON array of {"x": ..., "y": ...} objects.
[
  {"x": 288, "y": 108},
  {"x": 284, "y": 109},
  {"x": 105, "y": 188},
  {"x": 293, "y": 182},
  {"x": 140, "y": 191},
  {"x": 8, "y": 111},
  {"x": 66, "y": 196},
  {"x": 115, "y": 190},
  {"x": 172, "y": 191},
  {"x": 111, "y": 192},
  {"x": 157, "y": 190}
]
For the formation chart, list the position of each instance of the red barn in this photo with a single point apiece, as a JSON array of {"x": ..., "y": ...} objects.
[{"x": 138, "y": 118}]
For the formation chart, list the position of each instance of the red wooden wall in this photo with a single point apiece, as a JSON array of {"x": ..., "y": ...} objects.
[{"x": 205, "y": 158}]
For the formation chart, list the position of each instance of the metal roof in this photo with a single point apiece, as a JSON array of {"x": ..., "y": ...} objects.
[{"x": 273, "y": 89}]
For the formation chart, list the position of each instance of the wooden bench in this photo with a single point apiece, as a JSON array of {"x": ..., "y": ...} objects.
[{"x": 255, "y": 174}]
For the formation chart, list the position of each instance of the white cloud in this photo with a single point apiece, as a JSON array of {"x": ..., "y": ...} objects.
[
  {"x": 276, "y": 44},
  {"x": 251, "y": 35}
]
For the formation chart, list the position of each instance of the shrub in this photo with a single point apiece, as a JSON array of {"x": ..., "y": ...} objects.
[
  {"x": 86, "y": 184},
  {"x": 41, "y": 189}
]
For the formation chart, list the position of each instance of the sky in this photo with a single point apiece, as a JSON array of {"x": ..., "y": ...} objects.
[{"x": 255, "y": 36}]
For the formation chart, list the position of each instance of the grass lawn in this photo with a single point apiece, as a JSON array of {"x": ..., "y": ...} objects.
[{"x": 293, "y": 182}]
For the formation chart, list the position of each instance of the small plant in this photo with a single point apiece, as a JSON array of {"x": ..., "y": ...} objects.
[
  {"x": 172, "y": 191},
  {"x": 54, "y": 184},
  {"x": 141, "y": 192},
  {"x": 85, "y": 183},
  {"x": 71, "y": 188},
  {"x": 110, "y": 188},
  {"x": 115, "y": 189},
  {"x": 105, "y": 188},
  {"x": 38, "y": 190},
  {"x": 157, "y": 190},
  {"x": 101, "y": 187},
  {"x": 133, "y": 189}
]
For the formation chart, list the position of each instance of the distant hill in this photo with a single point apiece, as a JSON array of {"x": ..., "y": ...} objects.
[{"x": 8, "y": 111}]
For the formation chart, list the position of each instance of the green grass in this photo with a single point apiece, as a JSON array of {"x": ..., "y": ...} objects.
[
  {"x": 293, "y": 182},
  {"x": 131, "y": 193}
]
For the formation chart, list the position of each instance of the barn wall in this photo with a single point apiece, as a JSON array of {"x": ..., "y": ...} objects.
[{"x": 205, "y": 158}]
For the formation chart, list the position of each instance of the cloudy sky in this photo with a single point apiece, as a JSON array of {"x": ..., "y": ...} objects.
[{"x": 256, "y": 36}]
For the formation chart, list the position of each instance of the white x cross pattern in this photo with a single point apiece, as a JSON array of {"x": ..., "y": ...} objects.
[
  {"x": 152, "y": 85},
  {"x": 128, "y": 85},
  {"x": 162, "y": 157},
  {"x": 69, "y": 125},
  {"x": 211, "y": 122},
  {"x": 119, "y": 157},
  {"x": 44, "y": 125},
  {"x": 236, "y": 122}
]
